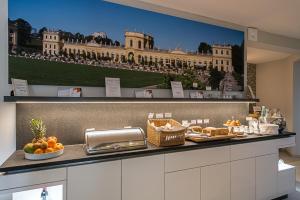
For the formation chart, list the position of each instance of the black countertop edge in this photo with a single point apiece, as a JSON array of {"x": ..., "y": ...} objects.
[
  {"x": 26, "y": 99},
  {"x": 135, "y": 153}
]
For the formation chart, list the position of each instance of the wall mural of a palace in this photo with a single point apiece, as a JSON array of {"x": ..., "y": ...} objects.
[{"x": 80, "y": 42}]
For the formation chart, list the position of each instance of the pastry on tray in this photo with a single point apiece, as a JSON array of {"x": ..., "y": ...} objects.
[
  {"x": 196, "y": 129},
  {"x": 222, "y": 131},
  {"x": 233, "y": 123},
  {"x": 210, "y": 131}
]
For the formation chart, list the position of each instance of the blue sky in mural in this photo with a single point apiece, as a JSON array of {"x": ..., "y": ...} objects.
[{"x": 88, "y": 16}]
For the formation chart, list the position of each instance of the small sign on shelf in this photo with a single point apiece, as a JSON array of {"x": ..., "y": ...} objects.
[{"x": 20, "y": 87}]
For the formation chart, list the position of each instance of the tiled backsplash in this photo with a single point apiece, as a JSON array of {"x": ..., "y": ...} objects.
[{"x": 69, "y": 121}]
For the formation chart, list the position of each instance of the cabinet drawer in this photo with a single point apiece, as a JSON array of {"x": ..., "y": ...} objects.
[
  {"x": 253, "y": 149},
  {"x": 287, "y": 142},
  {"x": 197, "y": 158},
  {"x": 32, "y": 178},
  {"x": 183, "y": 185}
]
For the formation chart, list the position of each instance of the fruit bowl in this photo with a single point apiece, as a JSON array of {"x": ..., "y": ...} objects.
[
  {"x": 41, "y": 147},
  {"x": 44, "y": 156}
]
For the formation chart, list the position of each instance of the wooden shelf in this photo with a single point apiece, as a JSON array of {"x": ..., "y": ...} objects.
[{"x": 36, "y": 99}]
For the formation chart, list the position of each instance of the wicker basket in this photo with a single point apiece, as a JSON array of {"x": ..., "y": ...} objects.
[{"x": 167, "y": 137}]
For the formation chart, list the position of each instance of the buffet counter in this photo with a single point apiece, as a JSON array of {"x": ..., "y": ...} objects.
[
  {"x": 76, "y": 155},
  {"x": 233, "y": 169}
]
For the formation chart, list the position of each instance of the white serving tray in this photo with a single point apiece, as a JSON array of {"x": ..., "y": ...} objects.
[{"x": 43, "y": 156}]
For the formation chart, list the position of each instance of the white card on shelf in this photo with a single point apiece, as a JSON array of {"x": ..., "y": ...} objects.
[
  {"x": 177, "y": 89},
  {"x": 168, "y": 115},
  {"x": 184, "y": 122},
  {"x": 112, "y": 87},
  {"x": 199, "y": 121},
  {"x": 206, "y": 121},
  {"x": 20, "y": 87},
  {"x": 150, "y": 115},
  {"x": 159, "y": 115},
  {"x": 193, "y": 121}
]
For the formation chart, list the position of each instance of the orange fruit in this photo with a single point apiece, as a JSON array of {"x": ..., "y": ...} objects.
[
  {"x": 58, "y": 147},
  {"x": 39, "y": 151},
  {"x": 53, "y": 137},
  {"x": 49, "y": 150},
  {"x": 51, "y": 143}
]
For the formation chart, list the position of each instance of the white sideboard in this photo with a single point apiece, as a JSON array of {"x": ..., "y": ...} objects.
[{"x": 244, "y": 171}]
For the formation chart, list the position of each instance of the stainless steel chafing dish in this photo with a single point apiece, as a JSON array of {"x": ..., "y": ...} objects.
[{"x": 107, "y": 141}]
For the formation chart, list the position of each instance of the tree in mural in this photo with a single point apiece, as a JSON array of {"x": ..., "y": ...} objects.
[
  {"x": 204, "y": 48},
  {"x": 215, "y": 78}
]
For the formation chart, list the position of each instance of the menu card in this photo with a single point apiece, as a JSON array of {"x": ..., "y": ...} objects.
[
  {"x": 177, "y": 89},
  {"x": 144, "y": 93},
  {"x": 20, "y": 87},
  {"x": 71, "y": 92},
  {"x": 112, "y": 87},
  {"x": 196, "y": 95}
]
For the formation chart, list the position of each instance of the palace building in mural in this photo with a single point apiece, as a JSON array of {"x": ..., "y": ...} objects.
[
  {"x": 139, "y": 48},
  {"x": 81, "y": 50}
]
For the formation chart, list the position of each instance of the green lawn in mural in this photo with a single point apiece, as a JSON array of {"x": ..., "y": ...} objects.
[
  {"x": 90, "y": 40},
  {"x": 39, "y": 72}
]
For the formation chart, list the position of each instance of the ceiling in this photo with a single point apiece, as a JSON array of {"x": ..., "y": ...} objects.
[
  {"x": 274, "y": 16},
  {"x": 258, "y": 56}
]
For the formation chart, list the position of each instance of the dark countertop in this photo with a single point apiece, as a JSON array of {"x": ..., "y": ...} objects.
[{"x": 75, "y": 155}]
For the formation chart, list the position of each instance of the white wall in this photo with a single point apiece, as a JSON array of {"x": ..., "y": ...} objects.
[
  {"x": 296, "y": 106},
  {"x": 274, "y": 85},
  {"x": 7, "y": 111},
  {"x": 275, "y": 89}
]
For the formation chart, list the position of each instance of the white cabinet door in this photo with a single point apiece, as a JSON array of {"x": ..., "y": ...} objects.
[
  {"x": 95, "y": 181},
  {"x": 183, "y": 185},
  {"x": 215, "y": 182},
  {"x": 143, "y": 178},
  {"x": 266, "y": 176},
  {"x": 243, "y": 179}
]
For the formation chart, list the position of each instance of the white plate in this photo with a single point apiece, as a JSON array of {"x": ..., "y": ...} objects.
[{"x": 43, "y": 156}]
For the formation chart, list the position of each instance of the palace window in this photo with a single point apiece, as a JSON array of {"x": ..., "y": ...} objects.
[
  {"x": 45, "y": 45},
  {"x": 50, "y": 37},
  {"x": 146, "y": 58},
  {"x": 140, "y": 44},
  {"x": 50, "y": 46},
  {"x": 227, "y": 52},
  {"x": 222, "y": 62},
  {"x": 46, "y": 36},
  {"x": 54, "y": 46},
  {"x": 131, "y": 43},
  {"x": 54, "y": 37},
  {"x": 222, "y": 52},
  {"x": 216, "y": 51},
  {"x": 227, "y": 62},
  {"x": 217, "y": 62}
]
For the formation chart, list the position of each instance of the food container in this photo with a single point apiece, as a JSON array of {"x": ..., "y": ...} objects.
[
  {"x": 269, "y": 129},
  {"x": 106, "y": 141},
  {"x": 163, "y": 137}
]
